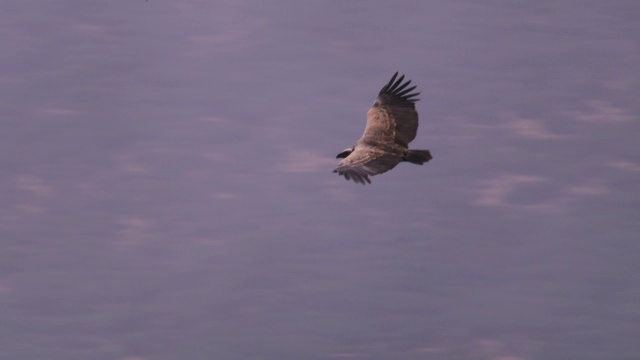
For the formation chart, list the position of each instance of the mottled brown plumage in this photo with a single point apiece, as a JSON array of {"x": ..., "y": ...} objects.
[{"x": 392, "y": 123}]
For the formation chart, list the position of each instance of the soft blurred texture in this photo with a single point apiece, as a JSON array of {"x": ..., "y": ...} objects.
[{"x": 166, "y": 188}]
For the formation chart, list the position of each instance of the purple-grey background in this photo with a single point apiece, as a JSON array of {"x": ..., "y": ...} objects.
[{"x": 166, "y": 188}]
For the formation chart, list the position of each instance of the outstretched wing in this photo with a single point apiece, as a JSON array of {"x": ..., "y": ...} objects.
[
  {"x": 365, "y": 161},
  {"x": 393, "y": 117}
]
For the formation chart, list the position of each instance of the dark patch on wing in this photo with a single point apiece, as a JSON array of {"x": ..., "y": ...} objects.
[{"x": 395, "y": 94}]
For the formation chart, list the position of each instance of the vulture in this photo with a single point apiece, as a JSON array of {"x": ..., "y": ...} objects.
[{"x": 392, "y": 123}]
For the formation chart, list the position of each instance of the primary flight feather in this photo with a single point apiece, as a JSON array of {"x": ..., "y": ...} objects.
[{"x": 392, "y": 123}]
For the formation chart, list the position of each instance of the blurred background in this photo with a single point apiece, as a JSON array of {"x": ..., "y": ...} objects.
[{"x": 166, "y": 188}]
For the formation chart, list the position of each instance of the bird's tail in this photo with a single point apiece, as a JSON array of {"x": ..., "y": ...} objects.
[{"x": 418, "y": 157}]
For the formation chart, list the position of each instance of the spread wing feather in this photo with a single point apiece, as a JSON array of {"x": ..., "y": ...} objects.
[
  {"x": 393, "y": 117},
  {"x": 365, "y": 161}
]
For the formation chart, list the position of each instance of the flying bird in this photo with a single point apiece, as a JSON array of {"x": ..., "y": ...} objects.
[{"x": 392, "y": 123}]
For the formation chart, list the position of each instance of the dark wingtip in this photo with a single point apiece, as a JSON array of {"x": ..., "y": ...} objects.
[
  {"x": 396, "y": 89},
  {"x": 389, "y": 84}
]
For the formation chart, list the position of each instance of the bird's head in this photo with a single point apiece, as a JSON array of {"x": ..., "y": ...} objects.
[{"x": 345, "y": 153}]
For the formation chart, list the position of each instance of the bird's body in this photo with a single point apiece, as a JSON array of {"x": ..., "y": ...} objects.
[{"x": 392, "y": 123}]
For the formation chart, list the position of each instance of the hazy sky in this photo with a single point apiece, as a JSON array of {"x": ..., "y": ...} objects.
[{"x": 166, "y": 188}]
